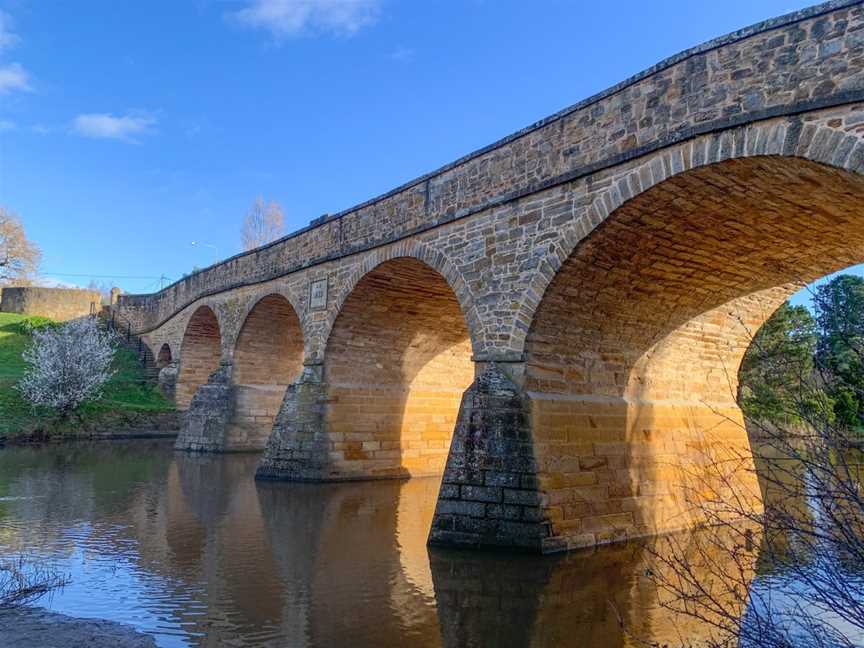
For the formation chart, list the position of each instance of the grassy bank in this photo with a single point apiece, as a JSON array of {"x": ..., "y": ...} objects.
[{"x": 127, "y": 397}]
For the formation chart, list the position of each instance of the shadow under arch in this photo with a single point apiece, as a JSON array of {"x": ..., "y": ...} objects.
[
  {"x": 633, "y": 353},
  {"x": 397, "y": 361},
  {"x": 268, "y": 356},
  {"x": 163, "y": 358},
  {"x": 200, "y": 352}
]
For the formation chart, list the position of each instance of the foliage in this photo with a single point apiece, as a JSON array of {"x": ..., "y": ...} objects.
[
  {"x": 840, "y": 317},
  {"x": 69, "y": 364},
  {"x": 19, "y": 257},
  {"x": 263, "y": 224},
  {"x": 28, "y": 325},
  {"x": 779, "y": 359},
  {"x": 127, "y": 393}
]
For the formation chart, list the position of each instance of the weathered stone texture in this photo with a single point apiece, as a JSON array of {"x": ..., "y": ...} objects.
[
  {"x": 56, "y": 303},
  {"x": 489, "y": 493},
  {"x": 299, "y": 447},
  {"x": 210, "y": 414},
  {"x": 613, "y": 261}
]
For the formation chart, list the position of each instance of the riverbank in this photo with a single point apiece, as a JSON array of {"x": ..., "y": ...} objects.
[
  {"x": 38, "y": 628},
  {"x": 131, "y": 406}
]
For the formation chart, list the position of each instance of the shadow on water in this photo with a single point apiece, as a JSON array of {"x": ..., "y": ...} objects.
[{"x": 199, "y": 554}]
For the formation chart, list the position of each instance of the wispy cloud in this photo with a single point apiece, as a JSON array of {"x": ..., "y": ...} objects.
[
  {"x": 107, "y": 126},
  {"x": 8, "y": 38},
  {"x": 289, "y": 18},
  {"x": 6, "y": 125},
  {"x": 13, "y": 77},
  {"x": 402, "y": 54},
  {"x": 40, "y": 129}
]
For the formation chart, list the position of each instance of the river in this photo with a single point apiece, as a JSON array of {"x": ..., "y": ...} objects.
[{"x": 193, "y": 551}]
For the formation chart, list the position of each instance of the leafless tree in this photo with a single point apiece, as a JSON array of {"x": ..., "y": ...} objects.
[
  {"x": 263, "y": 224},
  {"x": 103, "y": 288},
  {"x": 789, "y": 571},
  {"x": 19, "y": 257},
  {"x": 23, "y": 582}
]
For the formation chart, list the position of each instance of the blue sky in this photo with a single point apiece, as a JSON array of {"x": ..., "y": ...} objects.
[{"x": 129, "y": 129}]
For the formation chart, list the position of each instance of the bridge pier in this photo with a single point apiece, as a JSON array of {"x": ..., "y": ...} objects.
[
  {"x": 490, "y": 493},
  {"x": 299, "y": 447},
  {"x": 210, "y": 413}
]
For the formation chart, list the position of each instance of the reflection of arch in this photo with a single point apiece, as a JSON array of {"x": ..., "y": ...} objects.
[
  {"x": 163, "y": 359},
  {"x": 325, "y": 535},
  {"x": 397, "y": 361},
  {"x": 200, "y": 352},
  {"x": 633, "y": 352},
  {"x": 268, "y": 356}
]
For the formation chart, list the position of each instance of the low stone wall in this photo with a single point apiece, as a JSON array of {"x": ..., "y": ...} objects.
[{"x": 56, "y": 303}]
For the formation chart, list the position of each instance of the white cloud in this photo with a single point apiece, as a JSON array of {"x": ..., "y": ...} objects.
[
  {"x": 8, "y": 38},
  {"x": 286, "y": 18},
  {"x": 40, "y": 129},
  {"x": 13, "y": 77},
  {"x": 107, "y": 126},
  {"x": 6, "y": 125}
]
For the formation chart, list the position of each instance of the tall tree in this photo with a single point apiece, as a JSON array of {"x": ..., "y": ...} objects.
[
  {"x": 19, "y": 257},
  {"x": 263, "y": 223},
  {"x": 777, "y": 364},
  {"x": 840, "y": 353}
]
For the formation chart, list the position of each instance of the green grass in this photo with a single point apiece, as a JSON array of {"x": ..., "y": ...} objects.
[{"x": 126, "y": 393}]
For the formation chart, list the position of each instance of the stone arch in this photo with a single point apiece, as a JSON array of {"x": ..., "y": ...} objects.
[
  {"x": 421, "y": 252},
  {"x": 200, "y": 353},
  {"x": 397, "y": 361},
  {"x": 633, "y": 351},
  {"x": 782, "y": 137},
  {"x": 267, "y": 357},
  {"x": 164, "y": 357}
]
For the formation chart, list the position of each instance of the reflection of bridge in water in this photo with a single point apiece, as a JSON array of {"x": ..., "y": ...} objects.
[{"x": 240, "y": 563}]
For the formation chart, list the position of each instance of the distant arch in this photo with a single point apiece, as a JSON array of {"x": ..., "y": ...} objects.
[
  {"x": 268, "y": 356},
  {"x": 200, "y": 352},
  {"x": 163, "y": 358}
]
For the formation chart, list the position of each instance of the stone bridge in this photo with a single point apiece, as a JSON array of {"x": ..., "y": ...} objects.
[{"x": 554, "y": 322}]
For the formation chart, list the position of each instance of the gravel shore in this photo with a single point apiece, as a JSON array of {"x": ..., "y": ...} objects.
[{"x": 36, "y": 628}]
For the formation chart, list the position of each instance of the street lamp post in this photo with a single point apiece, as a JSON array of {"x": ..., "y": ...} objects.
[{"x": 210, "y": 245}]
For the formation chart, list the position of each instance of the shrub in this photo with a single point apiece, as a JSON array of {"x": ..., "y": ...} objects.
[
  {"x": 34, "y": 323},
  {"x": 68, "y": 365}
]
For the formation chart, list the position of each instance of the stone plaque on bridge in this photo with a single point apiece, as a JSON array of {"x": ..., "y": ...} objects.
[{"x": 318, "y": 294}]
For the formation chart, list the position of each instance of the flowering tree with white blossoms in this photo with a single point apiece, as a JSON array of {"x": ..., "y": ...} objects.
[{"x": 68, "y": 364}]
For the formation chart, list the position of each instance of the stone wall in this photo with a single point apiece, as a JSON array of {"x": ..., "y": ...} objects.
[{"x": 56, "y": 303}]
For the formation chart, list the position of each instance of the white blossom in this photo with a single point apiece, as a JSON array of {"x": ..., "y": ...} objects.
[{"x": 68, "y": 364}]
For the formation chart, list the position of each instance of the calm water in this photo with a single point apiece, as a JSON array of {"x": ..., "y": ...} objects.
[{"x": 193, "y": 551}]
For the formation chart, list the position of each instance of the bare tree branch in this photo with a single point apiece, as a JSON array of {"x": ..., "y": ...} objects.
[{"x": 263, "y": 224}]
